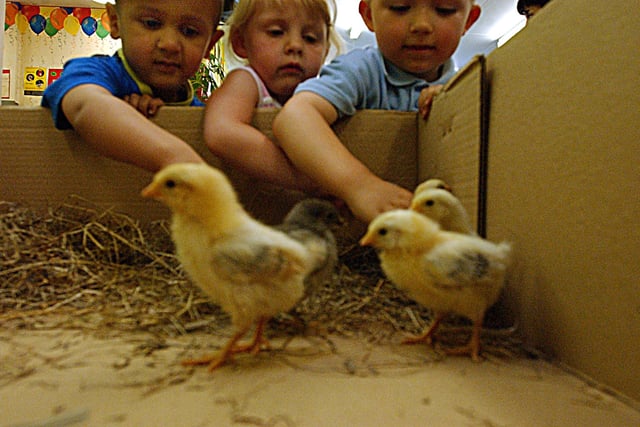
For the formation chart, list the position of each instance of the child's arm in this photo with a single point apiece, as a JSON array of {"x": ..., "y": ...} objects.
[
  {"x": 229, "y": 135},
  {"x": 117, "y": 130},
  {"x": 303, "y": 129}
]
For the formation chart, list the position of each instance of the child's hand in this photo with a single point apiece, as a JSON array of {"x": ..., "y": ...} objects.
[
  {"x": 146, "y": 104},
  {"x": 370, "y": 199},
  {"x": 426, "y": 99}
]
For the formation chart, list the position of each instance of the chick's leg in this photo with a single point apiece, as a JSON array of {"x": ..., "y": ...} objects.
[
  {"x": 473, "y": 346},
  {"x": 426, "y": 336},
  {"x": 258, "y": 340},
  {"x": 217, "y": 359}
]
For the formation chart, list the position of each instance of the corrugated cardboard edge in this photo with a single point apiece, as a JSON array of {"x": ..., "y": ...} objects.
[
  {"x": 453, "y": 140},
  {"x": 42, "y": 166}
]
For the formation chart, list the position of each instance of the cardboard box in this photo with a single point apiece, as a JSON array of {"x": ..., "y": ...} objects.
[
  {"x": 540, "y": 141},
  {"x": 42, "y": 166},
  {"x": 564, "y": 181}
]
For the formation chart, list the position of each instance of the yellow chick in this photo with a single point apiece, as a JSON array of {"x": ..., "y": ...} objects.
[
  {"x": 444, "y": 208},
  {"x": 430, "y": 184},
  {"x": 251, "y": 270},
  {"x": 445, "y": 271}
]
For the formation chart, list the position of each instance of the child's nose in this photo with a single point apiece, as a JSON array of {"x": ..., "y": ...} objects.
[
  {"x": 421, "y": 20},
  {"x": 294, "y": 44},
  {"x": 169, "y": 40}
]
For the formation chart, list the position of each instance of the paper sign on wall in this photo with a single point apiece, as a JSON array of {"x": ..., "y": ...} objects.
[
  {"x": 6, "y": 84},
  {"x": 54, "y": 74},
  {"x": 35, "y": 80}
]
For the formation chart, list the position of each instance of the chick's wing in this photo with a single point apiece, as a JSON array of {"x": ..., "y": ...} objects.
[
  {"x": 462, "y": 262},
  {"x": 258, "y": 258}
]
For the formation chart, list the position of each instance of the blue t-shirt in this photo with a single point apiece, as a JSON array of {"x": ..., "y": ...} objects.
[
  {"x": 110, "y": 72},
  {"x": 362, "y": 79}
]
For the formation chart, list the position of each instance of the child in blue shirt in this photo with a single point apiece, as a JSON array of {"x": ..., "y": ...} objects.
[
  {"x": 416, "y": 39},
  {"x": 102, "y": 97}
]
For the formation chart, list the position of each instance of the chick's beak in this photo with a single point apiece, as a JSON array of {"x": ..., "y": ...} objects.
[
  {"x": 151, "y": 191},
  {"x": 367, "y": 240}
]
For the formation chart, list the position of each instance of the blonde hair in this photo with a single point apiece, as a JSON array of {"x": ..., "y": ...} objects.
[{"x": 243, "y": 12}]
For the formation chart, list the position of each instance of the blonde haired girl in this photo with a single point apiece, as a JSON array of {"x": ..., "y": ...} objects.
[{"x": 282, "y": 43}]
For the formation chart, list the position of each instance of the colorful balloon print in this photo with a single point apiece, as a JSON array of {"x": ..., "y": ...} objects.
[
  {"x": 30, "y": 11},
  {"x": 22, "y": 23},
  {"x": 37, "y": 23},
  {"x": 106, "y": 22},
  {"x": 50, "y": 29},
  {"x": 81, "y": 13},
  {"x": 72, "y": 25},
  {"x": 101, "y": 31},
  {"x": 89, "y": 25},
  {"x": 10, "y": 14},
  {"x": 54, "y": 19},
  {"x": 57, "y": 17}
]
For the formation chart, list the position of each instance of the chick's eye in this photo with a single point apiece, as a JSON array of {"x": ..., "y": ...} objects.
[
  {"x": 170, "y": 183},
  {"x": 383, "y": 232},
  {"x": 429, "y": 203}
]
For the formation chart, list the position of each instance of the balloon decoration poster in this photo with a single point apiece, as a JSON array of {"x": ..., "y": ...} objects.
[{"x": 51, "y": 20}]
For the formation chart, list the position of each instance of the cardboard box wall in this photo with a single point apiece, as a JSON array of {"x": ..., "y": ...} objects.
[
  {"x": 564, "y": 183},
  {"x": 540, "y": 143}
]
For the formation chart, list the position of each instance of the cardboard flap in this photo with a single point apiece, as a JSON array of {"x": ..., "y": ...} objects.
[{"x": 452, "y": 141}]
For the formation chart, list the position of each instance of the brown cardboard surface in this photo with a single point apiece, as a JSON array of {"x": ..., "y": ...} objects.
[
  {"x": 42, "y": 166},
  {"x": 452, "y": 139},
  {"x": 564, "y": 175}
]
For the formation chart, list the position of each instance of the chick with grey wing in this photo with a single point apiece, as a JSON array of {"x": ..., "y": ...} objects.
[{"x": 310, "y": 222}]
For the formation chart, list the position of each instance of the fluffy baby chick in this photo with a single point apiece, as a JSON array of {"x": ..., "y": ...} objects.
[
  {"x": 251, "y": 270},
  {"x": 444, "y": 208},
  {"x": 431, "y": 184},
  {"x": 445, "y": 271},
  {"x": 310, "y": 222}
]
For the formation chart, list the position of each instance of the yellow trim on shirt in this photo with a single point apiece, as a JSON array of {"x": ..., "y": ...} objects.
[{"x": 145, "y": 89}]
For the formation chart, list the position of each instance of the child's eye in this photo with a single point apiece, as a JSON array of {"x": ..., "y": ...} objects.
[
  {"x": 275, "y": 31},
  {"x": 151, "y": 23},
  {"x": 399, "y": 8},
  {"x": 310, "y": 38},
  {"x": 446, "y": 11},
  {"x": 190, "y": 31}
]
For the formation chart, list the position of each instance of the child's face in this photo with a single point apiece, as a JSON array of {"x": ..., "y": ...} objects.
[
  {"x": 419, "y": 36},
  {"x": 284, "y": 45},
  {"x": 164, "y": 42}
]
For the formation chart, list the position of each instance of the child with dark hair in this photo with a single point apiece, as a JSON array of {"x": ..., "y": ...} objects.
[{"x": 528, "y": 8}]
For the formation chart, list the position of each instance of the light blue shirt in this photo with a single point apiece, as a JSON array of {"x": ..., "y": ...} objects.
[{"x": 361, "y": 79}]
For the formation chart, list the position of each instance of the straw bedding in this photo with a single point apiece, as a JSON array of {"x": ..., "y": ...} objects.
[{"x": 77, "y": 266}]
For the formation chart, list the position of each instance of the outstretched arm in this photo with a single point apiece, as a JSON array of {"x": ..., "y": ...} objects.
[
  {"x": 303, "y": 129},
  {"x": 117, "y": 130},
  {"x": 230, "y": 136}
]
